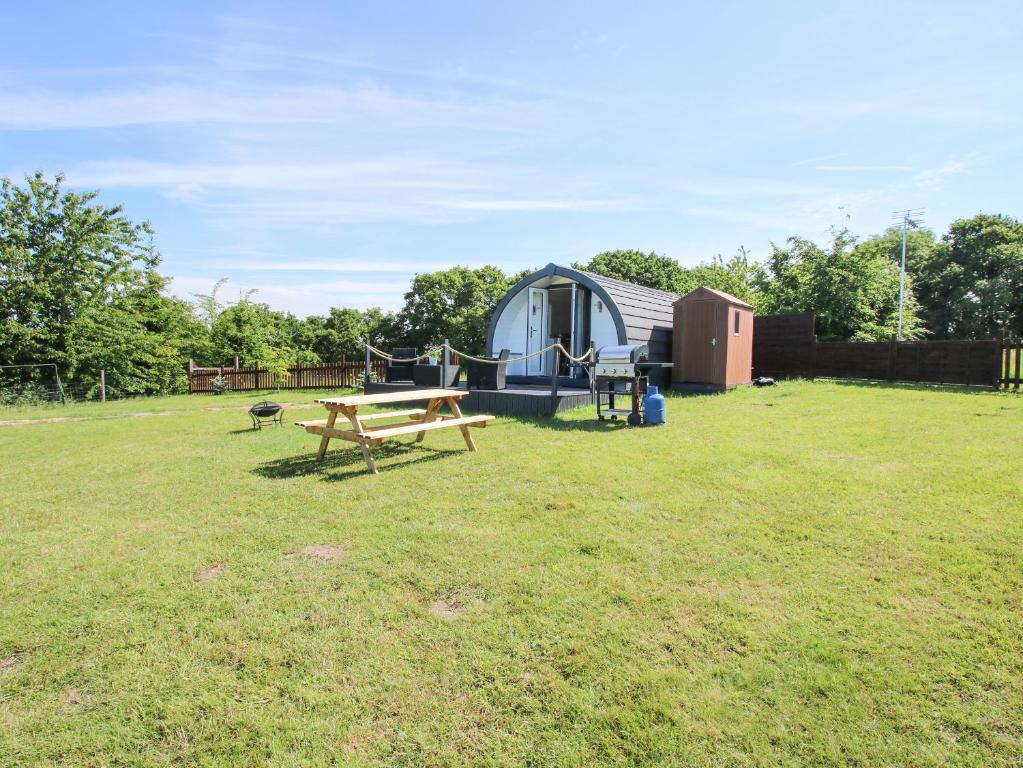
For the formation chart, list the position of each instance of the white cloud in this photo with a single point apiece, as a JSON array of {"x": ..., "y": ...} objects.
[
  {"x": 862, "y": 168},
  {"x": 312, "y": 190},
  {"x": 532, "y": 205},
  {"x": 283, "y": 264},
  {"x": 315, "y": 173},
  {"x": 917, "y": 106},
  {"x": 931, "y": 179},
  {"x": 303, "y": 298},
  {"x": 212, "y": 102}
]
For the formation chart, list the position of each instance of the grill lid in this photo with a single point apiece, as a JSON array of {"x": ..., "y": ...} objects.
[{"x": 623, "y": 353}]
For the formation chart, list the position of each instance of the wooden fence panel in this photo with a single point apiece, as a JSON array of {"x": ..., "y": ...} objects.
[
  {"x": 853, "y": 360},
  {"x": 784, "y": 346},
  {"x": 341, "y": 375}
]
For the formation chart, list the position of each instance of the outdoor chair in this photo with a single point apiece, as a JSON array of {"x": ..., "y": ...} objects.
[
  {"x": 400, "y": 371},
  {"x": 487, "y": 375},
  {"x": 432, "y": 375}
]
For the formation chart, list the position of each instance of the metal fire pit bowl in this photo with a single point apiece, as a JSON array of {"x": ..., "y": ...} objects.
[{"x": 266, "y": 412}]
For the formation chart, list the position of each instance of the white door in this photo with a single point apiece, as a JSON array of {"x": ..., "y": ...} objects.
[{"x": 536, "y": 330}]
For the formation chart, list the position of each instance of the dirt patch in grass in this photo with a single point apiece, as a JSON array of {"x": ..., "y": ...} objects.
[
  {"x": 8, "y": 664},
  {"x": 316, "y": 552},
  {"x": 139, "y": 414},
  {"x": 888, "y": 466},
  {"x": 62, "y": 419},
  {"x": 210, "y": 573},
  {"x": 73, "y": 697},
  {"x": 446, "y": 608}
]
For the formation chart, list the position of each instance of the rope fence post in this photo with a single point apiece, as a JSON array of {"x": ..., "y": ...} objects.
[
  {"x": 554, "y": 372},
  {"x": 444, "y": 365},
  {"x": 367, "y": 375}
]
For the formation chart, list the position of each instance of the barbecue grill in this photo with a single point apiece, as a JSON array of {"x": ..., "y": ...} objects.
[{"x": 623, "y": 369}]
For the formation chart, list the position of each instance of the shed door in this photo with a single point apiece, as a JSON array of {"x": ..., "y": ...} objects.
[
  {"x": 704, "y": 345},
  {"x": 536, "y": 330}
]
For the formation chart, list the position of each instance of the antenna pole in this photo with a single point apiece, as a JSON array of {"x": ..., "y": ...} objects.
[
  {"x": 902, "y": 277},
  {"x": 909, "y": 218}
]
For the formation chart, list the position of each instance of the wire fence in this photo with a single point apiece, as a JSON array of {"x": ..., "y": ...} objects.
[{"x": 24, "y": 395}]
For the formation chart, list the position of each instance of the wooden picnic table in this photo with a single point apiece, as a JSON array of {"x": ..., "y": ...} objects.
[{"x": 421, "y": 420}]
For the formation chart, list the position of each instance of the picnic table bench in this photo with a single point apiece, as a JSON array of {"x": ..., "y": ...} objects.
[{"x": 421, "y": 420}]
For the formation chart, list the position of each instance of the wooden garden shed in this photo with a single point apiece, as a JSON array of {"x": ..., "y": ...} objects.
[{"x": 712, "y": 341}]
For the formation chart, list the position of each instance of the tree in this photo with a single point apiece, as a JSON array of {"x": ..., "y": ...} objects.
[
  {"x": 455, "y": 304},
  {"x": 650, "y": 269},
  {"x": 249, "y": 330},
  {"x": 141, "y": 338},
  {"x": 971, "y": 283},
  {"x": 79, "y": 287},
  {"x": 343, "y": 331},
  {"x": 853, "y": 289},
  {"x": 738, "y": 276}
]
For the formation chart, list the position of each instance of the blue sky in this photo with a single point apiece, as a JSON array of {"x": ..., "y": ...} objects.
[{"x": 325, "y": 153}]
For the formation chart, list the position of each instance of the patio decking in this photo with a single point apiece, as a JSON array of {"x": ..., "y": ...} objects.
[{"x": 516, "y": 400}]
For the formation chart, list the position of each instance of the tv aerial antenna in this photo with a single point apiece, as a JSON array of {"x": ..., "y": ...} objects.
[{"x": 911, "y": 218}]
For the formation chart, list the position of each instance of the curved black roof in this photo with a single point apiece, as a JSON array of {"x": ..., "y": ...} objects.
[{"x": 641, "y": 315}]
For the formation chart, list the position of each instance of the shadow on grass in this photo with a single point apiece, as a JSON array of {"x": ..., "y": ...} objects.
[
  {"x": 250, "y": 430},
  {"x": 349, "y": 457},
  {"x": 914, "y": 386},
  {"x": 577, "y": 425}
]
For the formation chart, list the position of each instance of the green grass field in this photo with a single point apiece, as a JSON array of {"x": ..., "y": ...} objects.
[{"x": 813, "y": 574}]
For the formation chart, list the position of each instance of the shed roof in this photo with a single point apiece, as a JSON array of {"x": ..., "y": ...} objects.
[{"x": 705, "y": 293}]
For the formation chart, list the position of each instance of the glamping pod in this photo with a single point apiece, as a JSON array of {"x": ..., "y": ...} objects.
[
  {"x": 712, "y": 340},
  {"x": 578, "y": 309}
]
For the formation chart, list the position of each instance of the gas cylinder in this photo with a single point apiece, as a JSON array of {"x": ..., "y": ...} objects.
[{"x": 653, "y": 406}]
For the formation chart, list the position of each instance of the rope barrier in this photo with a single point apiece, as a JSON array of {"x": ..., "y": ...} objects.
[
  {"x": 424, "y": 356},
  {"x": 580, "y": 359},
  {"x": 587, "y": 356}
]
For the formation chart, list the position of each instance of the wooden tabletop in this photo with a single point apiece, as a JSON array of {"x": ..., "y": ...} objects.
[{"x": 392, "y": 397}]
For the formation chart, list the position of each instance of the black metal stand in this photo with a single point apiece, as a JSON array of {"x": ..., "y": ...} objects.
[
  {"x": 634, "y": 414},
  {"x": 266, "y": 413}
]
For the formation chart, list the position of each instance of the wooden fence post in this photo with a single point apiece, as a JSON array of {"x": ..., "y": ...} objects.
[
  {"x": 367, "y": 375},
  {"x": 999, "y": 343},
  {"x": 1019, "y": 355},
  {"x": 102, "y": 385},
  {"x": 1006, "y": 356}
]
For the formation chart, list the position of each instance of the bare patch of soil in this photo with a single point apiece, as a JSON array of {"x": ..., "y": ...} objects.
[
  {"x": 8, "y": 664},
  {"x": 446, "y": 608},
  {"x": 139, "y": 414},
  {"x": 210, "y": 573},
  {"x": 316, "y": 552},
  {"x": 73, "y": 697},
  {"x": 888, "y": 466},
  {"x": 63, "y": 419}
]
